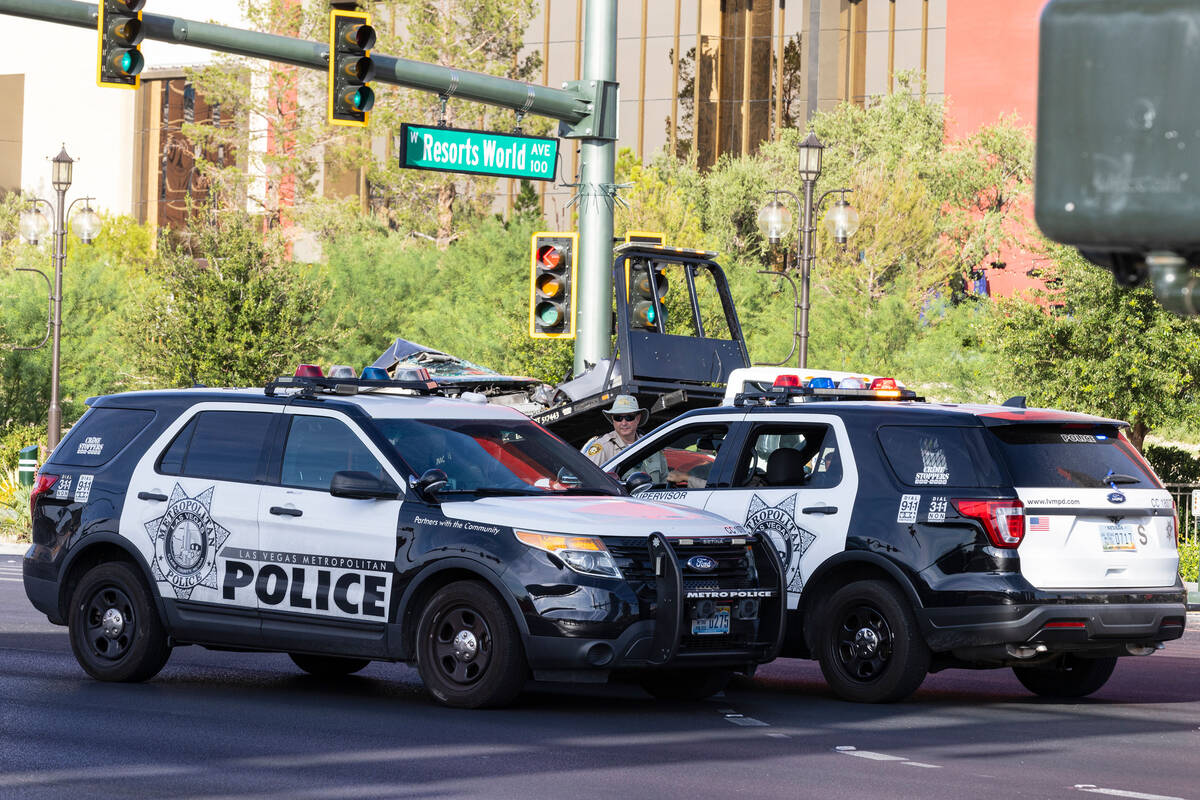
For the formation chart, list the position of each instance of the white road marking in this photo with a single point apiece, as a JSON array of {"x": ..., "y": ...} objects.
[
  {"x": 873, "y": 756},
  {"x": 920, "y": 764},
  {"x": 746, "y": 722},
  {"x": 779, "y": 736},
  {"x": 1093, "y": 789}
]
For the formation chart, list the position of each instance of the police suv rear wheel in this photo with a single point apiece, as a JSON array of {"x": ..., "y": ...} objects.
[
  {"x": 468, "y": 648},
  {"x": 328, "y": 666},
  {"x": 115, "y": 630},
  {"x": 870, "y": 648},
  {"x": 1069, "y": 676},
  {"x": 684, "y": 684}
]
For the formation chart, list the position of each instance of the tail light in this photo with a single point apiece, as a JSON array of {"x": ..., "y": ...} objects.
[
  {"x": 44, "y": 483},
  {"x": 1175, "y": 512},
  {"x": 1003, "y": 520}
]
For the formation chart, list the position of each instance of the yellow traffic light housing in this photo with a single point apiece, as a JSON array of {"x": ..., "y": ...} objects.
[
  {"x": 351, "y": 69},
  {"x": 119, "y": 24},
  {"x": 552, "y": 273}
]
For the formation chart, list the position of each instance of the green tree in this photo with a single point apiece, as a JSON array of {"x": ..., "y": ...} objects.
[
  {"x": 1088, "y": 345},
  {"x": 228, "y": 309}
]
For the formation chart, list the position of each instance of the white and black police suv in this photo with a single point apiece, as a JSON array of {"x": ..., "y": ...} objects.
[
  {"x": 919, "y": 536},
  {"x": 348, "y": 520}
]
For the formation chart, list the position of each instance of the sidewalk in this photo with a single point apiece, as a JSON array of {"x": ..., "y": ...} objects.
[{"x": 13, "y": 548}]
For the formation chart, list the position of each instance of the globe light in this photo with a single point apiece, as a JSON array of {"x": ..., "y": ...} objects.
[
  {"x": 33, "y": 225},
  {"x": 86, "y": 225},
  {"x": 774, "y": 220},
  {"x": 842, "y": 221}
]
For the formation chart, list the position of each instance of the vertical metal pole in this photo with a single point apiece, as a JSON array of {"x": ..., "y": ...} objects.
[
  {"x": 806, "y": 260},
  {"x": 594, "y": 321},
  {"x": 748, "y": 45},
  {"x": 578, "y": 75},
  {"x": 641, "y": 140},
  {"x": 779, "y": 75},
  {"x": 545, "y": 82},
  {"x": 812, "y": 46},
  {"x": 54, "y": 418},
  {"x": 675, "y": 82}
]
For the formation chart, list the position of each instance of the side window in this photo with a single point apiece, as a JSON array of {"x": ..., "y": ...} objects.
[
  {"x": 939, "y": 456},
  {"x": 223, "y": 445},
  {"x": 100, "y": 435},
  {"x": 681, "y": 461},
  {"x": 317, "y": 447},
  {"x": 790, "y": 455}
]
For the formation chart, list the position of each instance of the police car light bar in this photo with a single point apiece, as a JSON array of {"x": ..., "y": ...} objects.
[
  {"x": 415, "y": 380},
  {"x": 786, "y": 395}
]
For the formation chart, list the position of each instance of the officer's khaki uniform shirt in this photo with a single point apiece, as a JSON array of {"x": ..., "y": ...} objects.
[{"x": 601, "y": 448}]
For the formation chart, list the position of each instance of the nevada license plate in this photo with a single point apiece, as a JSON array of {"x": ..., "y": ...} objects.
[
  {"x": 717, "y": 623},
  {"x": 1116, "y": 537}
]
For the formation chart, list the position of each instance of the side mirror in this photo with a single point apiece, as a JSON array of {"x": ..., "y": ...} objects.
[
  {"x": 429, "y": 483},
  {"x": 359, "y": 485},
  {"x": 638, "y": 482}
]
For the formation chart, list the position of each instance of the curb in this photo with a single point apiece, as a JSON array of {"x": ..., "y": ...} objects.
[{"x": 13, "y": 548}]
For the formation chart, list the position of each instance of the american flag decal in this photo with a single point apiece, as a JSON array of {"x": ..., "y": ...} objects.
[{"x": 1039, "y": 524}]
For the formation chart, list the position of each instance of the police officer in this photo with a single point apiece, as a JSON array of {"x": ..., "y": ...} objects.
[{"x": 626, "y": 416}]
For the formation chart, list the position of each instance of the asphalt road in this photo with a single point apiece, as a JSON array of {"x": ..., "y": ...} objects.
[{"x": 235, "y": 725}]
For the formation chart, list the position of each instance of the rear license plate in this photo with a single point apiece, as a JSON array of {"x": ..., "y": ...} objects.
[
  {"x": 717, "y": 623},
  {"x": 1116, "y": 537}
]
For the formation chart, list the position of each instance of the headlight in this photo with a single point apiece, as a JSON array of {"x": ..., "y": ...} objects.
[{"x": 585, "y": 554}]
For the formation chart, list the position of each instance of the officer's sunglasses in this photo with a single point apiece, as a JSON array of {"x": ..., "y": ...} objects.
[{"x": 624, "y": 417}]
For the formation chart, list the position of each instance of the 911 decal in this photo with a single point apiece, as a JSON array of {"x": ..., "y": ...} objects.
[{"x": 186, "y": 539}]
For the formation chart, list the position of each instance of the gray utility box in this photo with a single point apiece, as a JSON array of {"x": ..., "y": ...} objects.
[{"x": 1118, "y": 129}]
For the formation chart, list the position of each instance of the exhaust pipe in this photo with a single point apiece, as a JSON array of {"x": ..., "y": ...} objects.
[{"x": 1025, "y": 650}]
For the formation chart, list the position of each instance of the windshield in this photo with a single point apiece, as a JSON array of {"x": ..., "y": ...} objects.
[
  {"x": 1062, "y": 456},
  {"x": 495, "y": 457}
]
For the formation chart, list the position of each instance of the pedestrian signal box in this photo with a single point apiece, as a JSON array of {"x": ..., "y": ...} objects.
[
  {"x": 351, "y": 69},
  {"x": 119, "y": 23},
  {"x": 552, "y": 280}
]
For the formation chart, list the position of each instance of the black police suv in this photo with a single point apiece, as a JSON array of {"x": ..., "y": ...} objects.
[
  {"x": 345, "y": 520},
  {"x": 918, "y": 536}
]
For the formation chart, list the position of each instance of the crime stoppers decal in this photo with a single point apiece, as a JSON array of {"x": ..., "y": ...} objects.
[
  {"x": 186, "y": 540},
  {"x": 778, "y": 523}
]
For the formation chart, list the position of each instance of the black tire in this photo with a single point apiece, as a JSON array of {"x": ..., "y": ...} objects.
[
  {"x": 115, "y": 630},
  {"x": 1069, "y": 676},
  {"x": 469, "y": 651},
  {"x": 684, "y": 684},
  {"x": 328, "y": 666},
  {"x": 870, "y": 648}
]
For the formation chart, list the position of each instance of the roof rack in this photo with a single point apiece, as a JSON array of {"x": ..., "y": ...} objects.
[
  {"x": 310, "y": 386},
  {"x": 786, "y": 395}
]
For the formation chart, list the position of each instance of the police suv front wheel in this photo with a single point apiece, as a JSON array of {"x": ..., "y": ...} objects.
[
  {"x": 115, "y": 630},
  {"x": 469, "y": 651},
  {"x": 1069, "y": 676},
  {"x": 870, "y": 648}
]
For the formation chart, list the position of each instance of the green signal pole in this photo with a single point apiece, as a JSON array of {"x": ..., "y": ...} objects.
[
  {"x": 588, "y": 107},
  {"x": 597, "y": 193}
]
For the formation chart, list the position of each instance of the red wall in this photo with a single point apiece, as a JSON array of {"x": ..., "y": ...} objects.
[
  {"x": 991, "y": 62},
  {"x": 991, "y": 70}
]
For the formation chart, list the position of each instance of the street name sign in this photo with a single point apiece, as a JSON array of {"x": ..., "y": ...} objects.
[{"x": 502, "y": 155}]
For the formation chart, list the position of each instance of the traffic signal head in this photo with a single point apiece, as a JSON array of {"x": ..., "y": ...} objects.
[
  {"x": 551, "y": 285},
  {"x": 351, "y": 38},
  {"x": 647, "y": 284},
  {"x": 119, "y": 23}
]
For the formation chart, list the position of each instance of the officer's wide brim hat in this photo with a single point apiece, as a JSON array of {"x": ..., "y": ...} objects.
[{"x": 626, "y": 404}]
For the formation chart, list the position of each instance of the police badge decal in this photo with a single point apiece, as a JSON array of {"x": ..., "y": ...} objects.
[
  {"x": 186, "y": 540},
  {"x": 778, "y": 523}
]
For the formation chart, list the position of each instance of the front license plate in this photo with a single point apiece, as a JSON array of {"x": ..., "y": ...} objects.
[
  {"x": 717, "y": 623},
  {"x": 1116, "y": 537}
]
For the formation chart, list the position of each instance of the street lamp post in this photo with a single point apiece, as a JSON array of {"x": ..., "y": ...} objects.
[
  {"x": 775, "y": 220},
  {"x": 33, "y": 225}
]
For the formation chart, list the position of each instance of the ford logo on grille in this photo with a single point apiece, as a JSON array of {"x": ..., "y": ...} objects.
[
  {"x": 702, "y": 563},
  {"x": 1116, "y": 497}
]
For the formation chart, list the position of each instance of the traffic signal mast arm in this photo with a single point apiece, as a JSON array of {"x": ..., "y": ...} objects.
[{"x": 569, "y": 106}]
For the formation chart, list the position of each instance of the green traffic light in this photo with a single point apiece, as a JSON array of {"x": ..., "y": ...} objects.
[
  {"x": 548, "y": 315},
  {"x": 126, "y": 63},
  {"x": 364, "y": 99}
]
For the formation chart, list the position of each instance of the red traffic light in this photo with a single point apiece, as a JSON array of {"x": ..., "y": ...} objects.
[{"x": 550, "y": 256}]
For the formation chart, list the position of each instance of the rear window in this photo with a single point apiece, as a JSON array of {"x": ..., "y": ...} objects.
[
  {"x": 100, "y": 434},
  {"x": 940, "y": 456},
  {"x": 1060, "y": 456},
  {"x": 223, "y": 445}
]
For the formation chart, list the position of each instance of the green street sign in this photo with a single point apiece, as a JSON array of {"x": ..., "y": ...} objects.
[{"x": 503, "y": 155}]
